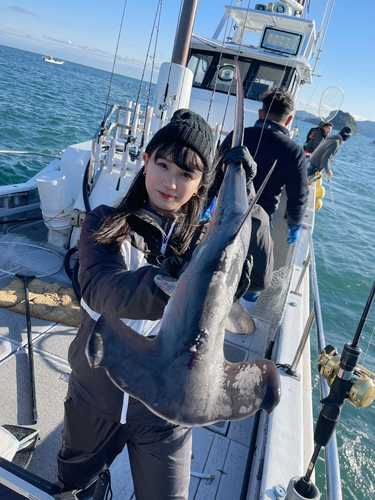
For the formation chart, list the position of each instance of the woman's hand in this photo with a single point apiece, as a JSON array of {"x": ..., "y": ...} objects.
[{"x": 174, "y": 266}]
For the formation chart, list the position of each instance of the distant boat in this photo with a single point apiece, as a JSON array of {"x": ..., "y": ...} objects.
[{"x": 52, "y": 60}]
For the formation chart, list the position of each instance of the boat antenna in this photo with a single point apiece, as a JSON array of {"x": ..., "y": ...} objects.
[
  {"x": 333, "y": 403},
  {"x": 113, "y": 68}
]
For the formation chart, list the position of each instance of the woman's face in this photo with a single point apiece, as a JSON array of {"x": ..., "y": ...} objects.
[{"x": 168, "y": 186}]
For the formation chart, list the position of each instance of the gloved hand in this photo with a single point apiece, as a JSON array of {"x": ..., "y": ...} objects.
[
  {"x": 245, "y": 280},
  {"x": 240, "y": 154},
  {"x": 173, "y": 266},
  {"x": 294, "y": 234}
]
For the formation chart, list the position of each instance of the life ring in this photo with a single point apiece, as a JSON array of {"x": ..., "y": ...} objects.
[{"x": 294, "y": 5}]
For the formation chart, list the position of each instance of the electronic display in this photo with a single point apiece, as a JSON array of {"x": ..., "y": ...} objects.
[{"x": 281, "y": 41}]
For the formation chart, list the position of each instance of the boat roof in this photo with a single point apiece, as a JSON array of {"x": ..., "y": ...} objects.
[{"x": 255, "y": 20}]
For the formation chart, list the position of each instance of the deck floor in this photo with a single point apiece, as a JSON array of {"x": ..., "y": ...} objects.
[{"x": 220, "y": 450}]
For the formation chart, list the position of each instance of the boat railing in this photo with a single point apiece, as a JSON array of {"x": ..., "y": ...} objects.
[
  {"x": 123, "y": 135},
  {"x": 332, "y": 464}
]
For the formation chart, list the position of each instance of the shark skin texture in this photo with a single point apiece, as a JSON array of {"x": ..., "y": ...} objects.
[{"x": 182, "y": 375}]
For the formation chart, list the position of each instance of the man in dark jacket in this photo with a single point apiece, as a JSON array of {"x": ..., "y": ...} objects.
[
  {"x": 316, "y": 136},
  {"x": 269, "y": 140}
]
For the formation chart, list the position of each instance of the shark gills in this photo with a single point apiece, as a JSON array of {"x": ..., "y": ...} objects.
[{"x": 182, "y": 374}]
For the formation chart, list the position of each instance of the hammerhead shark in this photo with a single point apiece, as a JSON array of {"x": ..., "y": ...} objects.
[{"x": 181, "y": 374}]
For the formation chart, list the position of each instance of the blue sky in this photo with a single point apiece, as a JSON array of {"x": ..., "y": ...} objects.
[{"x": 86, "y": 32}]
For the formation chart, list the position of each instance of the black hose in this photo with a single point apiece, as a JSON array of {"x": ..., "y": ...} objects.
[
  {"x": 67, "y": 256},
  {"x": 85, "y": 188},
  {"x": 75, "y": 282},
  {"x": 15, "y": 221},
  {"x": 73, "y": 272}
]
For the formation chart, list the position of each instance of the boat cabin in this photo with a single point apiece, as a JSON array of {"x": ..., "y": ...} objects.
[{"x": 275, "y": 51}]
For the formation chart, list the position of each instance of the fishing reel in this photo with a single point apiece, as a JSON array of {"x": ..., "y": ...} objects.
[
  {"x": 134, "y": 150},
  {"x": 167, "y": 104},
  {"x": 362, "y": 390}
]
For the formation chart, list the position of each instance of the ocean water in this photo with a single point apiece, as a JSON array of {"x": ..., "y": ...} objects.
[{"x": 45, "y": 108}]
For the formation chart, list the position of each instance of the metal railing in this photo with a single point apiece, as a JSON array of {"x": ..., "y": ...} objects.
[{"x": 332, "y": 465}]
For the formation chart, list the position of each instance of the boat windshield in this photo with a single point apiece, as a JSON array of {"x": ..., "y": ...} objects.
[{"x": 257, "y": 76}]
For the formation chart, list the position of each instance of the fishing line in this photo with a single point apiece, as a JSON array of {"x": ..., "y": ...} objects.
[
  {"x": 151, "y": 74},
  {"x": 218, "y": 67},
  {"x": 324, "y": 34},
  {"x": 368, "y": 345},
  {"x": 231, "y": 83},
  {"x": 114, "y": 63},
  {"x": 334, "y": 211},
  {"x": 170, "y": 63},
  {"x": 158, "y": 11},
  {"x": 292, "y": 66},
  {"x": 317, "y": 85}
]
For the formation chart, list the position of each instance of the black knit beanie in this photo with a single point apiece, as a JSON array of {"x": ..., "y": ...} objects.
[
  {"x": 346, "y": 133},
  {"x": 190, "y": 129}
]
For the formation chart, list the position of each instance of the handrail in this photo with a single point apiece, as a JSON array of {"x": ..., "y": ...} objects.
[{"x": 332, "y": 465}]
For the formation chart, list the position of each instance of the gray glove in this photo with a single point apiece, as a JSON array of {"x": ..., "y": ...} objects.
[{"x": 240, "y": 154}]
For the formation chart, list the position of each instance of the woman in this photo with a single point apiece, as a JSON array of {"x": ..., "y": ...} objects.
[{"x": 155, "y": 229}]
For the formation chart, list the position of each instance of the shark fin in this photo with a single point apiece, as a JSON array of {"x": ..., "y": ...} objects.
[
  {"x": 109, "y": 331},
  {"x": 166, "y": 283},
  {"x": 239, "y": 320}
]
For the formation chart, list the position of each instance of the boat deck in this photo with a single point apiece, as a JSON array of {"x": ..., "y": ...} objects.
[{"x": 220, "y": 450}]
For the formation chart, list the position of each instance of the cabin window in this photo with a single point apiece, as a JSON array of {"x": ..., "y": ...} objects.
[
  {"x": 265, "y": 77},
  {"x": 199, "y": 64},
  {"x": 224, "y": 75},
  {"x": 209, "y": 69}
]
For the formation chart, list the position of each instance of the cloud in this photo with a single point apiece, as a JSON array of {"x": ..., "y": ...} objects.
[
  {"x": 94, "y": 50},
  {"x": 66, "y": 42},
  {"x": 358, "y": 118},
  {"x": 16, "y": 8},
  {"x": 86, "y": 48}
]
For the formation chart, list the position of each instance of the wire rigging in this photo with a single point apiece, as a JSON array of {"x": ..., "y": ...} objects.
[
  {"x": 218, "y": 67},
  {"x": 152, "y": 70},
  {"x": 158, "y": 11},
  {"x": 170, "y": 62},
  {"x": 114, "y": 62}
]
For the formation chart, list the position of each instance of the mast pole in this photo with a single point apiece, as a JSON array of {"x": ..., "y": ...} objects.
[{"x": 184, "y": 32}]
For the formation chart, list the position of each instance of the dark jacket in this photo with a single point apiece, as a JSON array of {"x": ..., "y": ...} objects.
[
  {"x": 314, "y": 138},
  {"x": 266, "y": 145},
  {"x": 123, "y": 283},
  {"x": 322, "y": 156}
]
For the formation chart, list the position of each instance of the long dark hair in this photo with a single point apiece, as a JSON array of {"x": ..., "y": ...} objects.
[{"x": 115, "y": 227}]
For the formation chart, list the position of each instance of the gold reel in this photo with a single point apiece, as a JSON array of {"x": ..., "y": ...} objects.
[{"x": 362, "y": 391}]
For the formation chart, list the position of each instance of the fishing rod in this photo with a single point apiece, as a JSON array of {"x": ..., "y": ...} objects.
[{"x": 347, "y": 380}]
